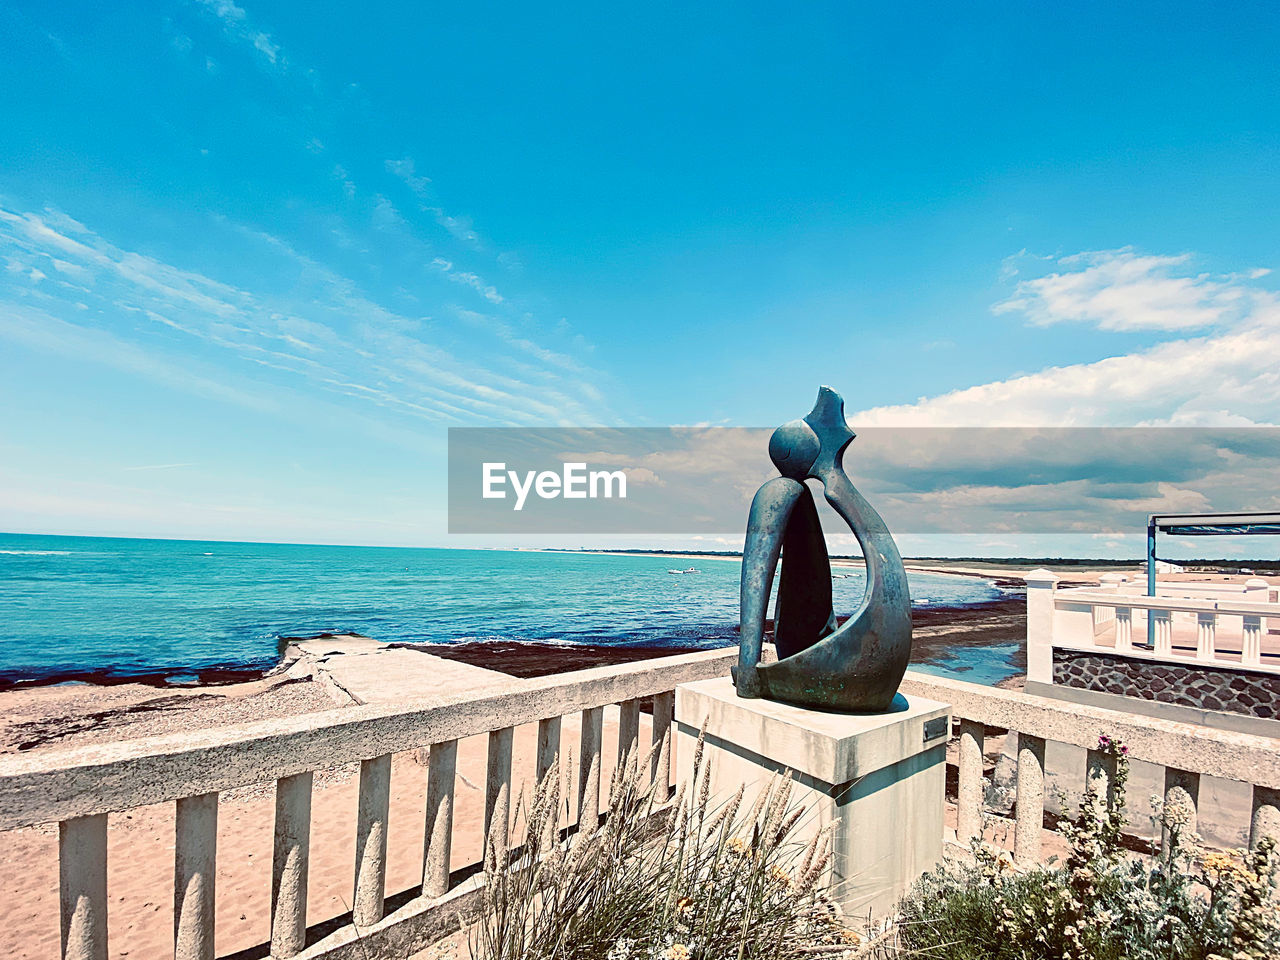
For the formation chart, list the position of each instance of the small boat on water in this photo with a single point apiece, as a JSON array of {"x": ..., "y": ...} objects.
[{"x": 690, "y": 570}]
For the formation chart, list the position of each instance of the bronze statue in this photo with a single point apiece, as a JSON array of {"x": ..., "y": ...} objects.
[{"x": 858, "y": 665}]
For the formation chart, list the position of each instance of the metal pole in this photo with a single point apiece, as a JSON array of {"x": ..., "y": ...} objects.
[{"x": 1151, "y": 578}]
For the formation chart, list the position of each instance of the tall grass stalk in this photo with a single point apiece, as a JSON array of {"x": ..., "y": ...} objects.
[{"x": 696, "y": 878}]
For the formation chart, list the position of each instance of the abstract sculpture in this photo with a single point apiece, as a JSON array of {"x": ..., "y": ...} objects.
[{"x": 858, "y": 665}]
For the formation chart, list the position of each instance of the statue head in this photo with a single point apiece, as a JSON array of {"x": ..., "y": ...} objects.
[{"x": 794, "y": 448}]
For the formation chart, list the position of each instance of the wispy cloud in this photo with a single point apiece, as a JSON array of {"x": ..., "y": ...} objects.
[
  {"x": 404, "y": 169},
  {"x": 1121, "y": 290},
  {"x": 467, "y": 279},
  {"x": 459, "y": 227},
  {"x": 236, "y": 25},
  {"x": 385, "y": 215},
  {"x": 348, "y": 185},
  {"x": 328, "y": 337},
  {"x": 327, "y": 333},
  {"x": 41, "y": 331},
  {"x": 265, "y": 46}
]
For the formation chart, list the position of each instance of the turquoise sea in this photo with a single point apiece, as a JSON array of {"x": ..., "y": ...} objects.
[{"x": 75, "y": 606}]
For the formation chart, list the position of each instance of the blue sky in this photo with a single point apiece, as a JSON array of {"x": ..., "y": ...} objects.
[{"x": 256, "y": 257}]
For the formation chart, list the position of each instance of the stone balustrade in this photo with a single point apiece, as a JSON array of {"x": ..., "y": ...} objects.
[
  {"x": 1186, "y": 751},
  {"x": 1204, "y": 617},
  {"x": 79, "y": 788},
  {"x": 1208, "y": 647}
]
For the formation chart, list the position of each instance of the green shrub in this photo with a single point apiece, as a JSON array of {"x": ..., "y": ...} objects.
[{"x": 1100, "y": 904}]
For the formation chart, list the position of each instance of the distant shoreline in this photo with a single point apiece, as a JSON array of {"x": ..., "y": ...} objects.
[
  {"x": 1004, "y": 573},
  {"x": 1261, "y": 567}
]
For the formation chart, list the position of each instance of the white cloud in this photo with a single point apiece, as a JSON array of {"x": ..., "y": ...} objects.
[
  {"x": 1121, "y": 290},
  {"x": 264, "y": 45},
  {"x": 225, "y": 10},
  {"x": 1226, "y": 376}
]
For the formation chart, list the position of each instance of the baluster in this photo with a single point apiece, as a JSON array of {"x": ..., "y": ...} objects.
[
  {"x": 1266, "y": 816},
  {"x": 1030, "y": 794},
  {"x": 1102, "y": 614},
  {"x": 82, "y": 883},
  {"x": 1206, "y": 630},
  {"x": 1251, "y": 640},
  {"x": 589, "y": 769},
  {"x": 1100, "y": 775},
  {"x": 194, "y": 871},
  {"x": 628, "y": 729},
  {"x": 969, "y": 794},
  {"x": 1043, "y": 617},
  {"x": 1124, "y": 628},
  {"x": 442, "y": 765},
  {"x": 548, "y": 747},
  {"x": 1181, "y": 788},
  {"x": 289, "y": 865},
  {"x": 1163, "y": 621},
  {"x": 371, "y": 840},
  {"x": 548, "y": 766},
  {"x": 497, "y": 793},
  {"x": 664, "y": 710}
]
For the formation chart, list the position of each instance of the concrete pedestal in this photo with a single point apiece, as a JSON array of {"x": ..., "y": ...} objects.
[{"x": 881, "y": 776}]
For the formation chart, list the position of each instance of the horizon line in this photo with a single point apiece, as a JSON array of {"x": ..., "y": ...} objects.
[{"x": 620, "y": 549}]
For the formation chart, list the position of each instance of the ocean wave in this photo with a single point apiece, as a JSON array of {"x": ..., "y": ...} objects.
[{"x": 38, "y": 553}]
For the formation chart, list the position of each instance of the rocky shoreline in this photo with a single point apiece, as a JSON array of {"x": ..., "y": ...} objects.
[
  {"x": 42, "y": 716},
  {"x": 936, "y": 631}
]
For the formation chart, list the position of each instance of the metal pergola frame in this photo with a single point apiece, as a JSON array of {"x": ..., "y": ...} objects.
[{"x": 1202, "y": 525}]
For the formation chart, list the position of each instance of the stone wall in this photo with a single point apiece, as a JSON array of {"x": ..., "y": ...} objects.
[{"x": 1246, "y": 692}]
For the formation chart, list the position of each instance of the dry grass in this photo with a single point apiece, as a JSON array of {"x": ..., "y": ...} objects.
[{"x": 677, "y": 880}]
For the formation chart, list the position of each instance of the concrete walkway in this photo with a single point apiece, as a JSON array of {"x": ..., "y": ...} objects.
[{"x": 359, "y": 670}]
